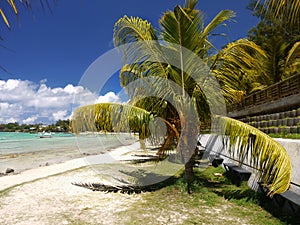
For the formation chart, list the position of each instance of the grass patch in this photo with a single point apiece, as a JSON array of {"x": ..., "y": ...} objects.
[
  {"x": 214, "y": 200},
  {"x": 287, "y": 136}
]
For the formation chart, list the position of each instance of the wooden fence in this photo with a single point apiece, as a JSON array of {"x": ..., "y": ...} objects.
[{"x": 287, "y": 87}]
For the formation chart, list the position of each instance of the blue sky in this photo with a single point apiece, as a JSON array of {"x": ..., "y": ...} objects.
[{"x": 54, "y": 50}]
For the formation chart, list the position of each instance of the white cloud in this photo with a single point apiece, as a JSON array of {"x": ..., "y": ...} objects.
[
  {"x": 30, "y": 120},
  {"x": 26, "y": 102},
  {"x": 10, "y": 84},
  {"x": 11, "y": 120},
  {"x": 108, "y": 97},
  {"x": 61, "y": 115}
]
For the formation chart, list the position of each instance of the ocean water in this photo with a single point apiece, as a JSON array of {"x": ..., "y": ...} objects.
[{"x": 22, "y": 151}]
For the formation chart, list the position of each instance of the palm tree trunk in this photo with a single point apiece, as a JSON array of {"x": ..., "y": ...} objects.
[
  {"x": 187, "y": 150},
  {"x": 143, "y": 144},
  {"x": 168, "y": 142},
  {"x": 189, "y": 173}
]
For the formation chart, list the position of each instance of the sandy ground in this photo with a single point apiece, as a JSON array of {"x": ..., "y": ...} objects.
[
  {"x": 40, "y": 172},
  {"x": 54, "y": 200},
  {"x": 46, "y": 195}
]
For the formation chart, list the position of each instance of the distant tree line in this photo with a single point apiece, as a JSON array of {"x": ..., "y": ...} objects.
[{"x": 58, "y": 126}]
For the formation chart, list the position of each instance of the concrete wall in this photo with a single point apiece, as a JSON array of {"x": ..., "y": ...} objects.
[
  {"x": 214, "y": 145},
  {"x": 293, "y": 149}
]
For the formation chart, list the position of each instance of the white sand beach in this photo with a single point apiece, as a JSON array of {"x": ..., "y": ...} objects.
[
  {"x": 40, "y": 172},
  {"x": 45, "y": 195}
]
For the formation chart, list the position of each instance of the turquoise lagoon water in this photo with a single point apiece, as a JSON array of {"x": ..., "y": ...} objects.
[{"x": 23, "y": 151}]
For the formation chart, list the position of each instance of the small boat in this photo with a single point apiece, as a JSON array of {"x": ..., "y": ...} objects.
[{"x": 46, "y": 135}]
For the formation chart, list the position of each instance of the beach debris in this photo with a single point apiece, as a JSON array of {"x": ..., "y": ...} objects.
[{"x": 9, "y": 170}]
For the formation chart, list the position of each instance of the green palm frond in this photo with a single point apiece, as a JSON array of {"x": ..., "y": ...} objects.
[
  {"x": 133, "y": 29},
  {"x": 242, "y": 55},
  {"x": 139, "y": 42},
  {"x": 134, "y": 34},
  {"x": 130, "y": 73},
  {"x": 112, "y": 117},
  {"x": 190, "y": 4},
  {"x": 247, "y": 48},
  {"x": 218, "y": 20},
  {"x": 293, "y": 54},
  {"x": 180, "y": 27},
  {"x": 276, "y": 48},
  {"x": 287, "y": 9},
  {"x": 237, "y": 67},
  {"x": 268, "y": 156}
]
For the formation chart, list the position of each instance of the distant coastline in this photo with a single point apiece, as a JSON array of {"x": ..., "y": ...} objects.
[{"x": 59, "y": 126}]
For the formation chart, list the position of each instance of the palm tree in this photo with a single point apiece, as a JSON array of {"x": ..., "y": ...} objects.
[
  {"x": 183, "y": 27},
  {"x": 289, "y": 10},
  {"x": 279, "y": 37},
  {"x": 282, "y": 60},
  {"x": 164, "y": 74}
]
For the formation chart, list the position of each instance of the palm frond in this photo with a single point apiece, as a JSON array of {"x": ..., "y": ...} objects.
[
  {"x": 181, "y": 28},
  {"x": 112, "y": 117},
  {"x": 218, "y": 20},
  {"x": 276, "y": 47},
  {"x": 237, "y": 67},
  {"x": 293, "y": 53},
  {"x": 133, "y": 29},
  {"x": 16, "y": 5},
  {"x": 4, "y": 18},
  {"x": 139, "y": 42},
  {"x": 130, "y": 73},
  {"x": 268, "y": 156},
  {"x": 190, "y": 4},
  {"x": 287, "y": 9},
  {"x": 13, "y": 6}
]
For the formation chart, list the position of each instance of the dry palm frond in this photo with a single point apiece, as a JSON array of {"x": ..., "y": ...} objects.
[{"x": 265, "y": 154}]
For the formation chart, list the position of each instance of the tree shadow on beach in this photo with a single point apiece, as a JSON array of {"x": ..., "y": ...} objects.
[{"x": 133, "y": 182}]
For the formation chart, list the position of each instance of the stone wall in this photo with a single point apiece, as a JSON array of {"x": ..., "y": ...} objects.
[{"x": 287, "y": 122}]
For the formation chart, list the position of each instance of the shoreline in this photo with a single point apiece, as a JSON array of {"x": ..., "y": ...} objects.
[
  {"x": 116, "y": 154},
  {"x": 39, "y": 153}
]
